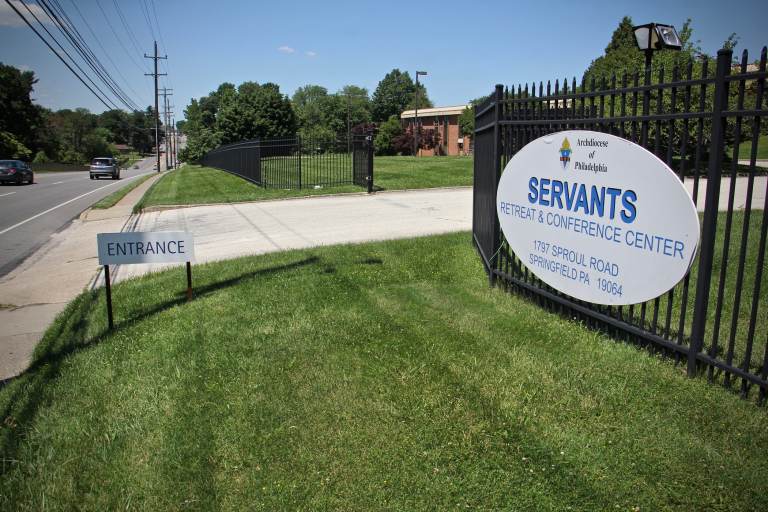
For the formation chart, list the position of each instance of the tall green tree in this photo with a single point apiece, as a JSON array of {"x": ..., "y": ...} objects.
[
  {"x": 389, "y": 131},
  {"x": 357, "y": 102},
  {"x": 231, "y": 114},
  {"x": 395, "y": 93},
  {"x": 311, "y": 104},
  {"x": 19, "y": 117},
  {"x": 118, "y": 125}
]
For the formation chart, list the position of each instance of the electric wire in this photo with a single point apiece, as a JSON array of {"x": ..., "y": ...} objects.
[
  {"x": 145, "y": 12},
  {"x": 67, "y": 28},
  {"x": 128, "y": 30},
  {"x": 104, "y": 99},
  {"x": 131, "y": 56},
  {"x": 106, "y": 53},
  {"x": 104, "y": 74}
]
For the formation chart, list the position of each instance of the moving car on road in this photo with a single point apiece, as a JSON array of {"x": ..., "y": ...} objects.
[
  {"x": 105, "y": 166},
  {"x": 15, "y": 171}
]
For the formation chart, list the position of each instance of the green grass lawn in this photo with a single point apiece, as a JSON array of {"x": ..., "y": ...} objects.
[
  {"x": 368, "y": 377},
  {"x": 193, "y": 184},
  {"x": 745, "y": 148},
  {"x": 408, "y": 172},
  {"x": 115, "y": 197}
]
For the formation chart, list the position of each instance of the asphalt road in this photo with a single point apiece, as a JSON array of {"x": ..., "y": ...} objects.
[{"x": 30, "y": 214}]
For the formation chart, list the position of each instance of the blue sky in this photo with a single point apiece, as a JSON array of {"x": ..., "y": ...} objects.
[{"x": 466, "y": 47}]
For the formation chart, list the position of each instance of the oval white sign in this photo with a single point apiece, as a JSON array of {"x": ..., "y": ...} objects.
[{"x": 597, "y": 217}]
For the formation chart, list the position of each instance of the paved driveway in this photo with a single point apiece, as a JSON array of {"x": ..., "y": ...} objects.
[{"x": 228, "y": 231}]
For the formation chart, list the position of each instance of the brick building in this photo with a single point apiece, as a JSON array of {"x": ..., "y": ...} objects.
[{"x": 445, "y": 121}]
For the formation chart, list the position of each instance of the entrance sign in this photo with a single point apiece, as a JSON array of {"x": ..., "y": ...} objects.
[
  {"x": 597, "y": 217},
  {"x": 160, "y": 247}
]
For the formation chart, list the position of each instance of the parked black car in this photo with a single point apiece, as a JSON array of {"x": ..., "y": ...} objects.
[
  {"x": 105, "y": 166},
  {"x": 15, "y": 171}
]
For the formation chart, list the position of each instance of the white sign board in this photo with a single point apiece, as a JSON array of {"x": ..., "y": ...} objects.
[
  {"x": 597, "y": 217},
  {"x": 159, "y": 247}
]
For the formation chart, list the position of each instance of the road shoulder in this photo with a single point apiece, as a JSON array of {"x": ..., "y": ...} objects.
[{"x": 43, "y": 284}]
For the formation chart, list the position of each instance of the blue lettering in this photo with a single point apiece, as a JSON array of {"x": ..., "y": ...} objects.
[
  {"x": 533, "y": 185},
  {"x": 544, "y": 191},
  {"x": 598, "y": 201},
  {"x": 581, "y": 200},
  {"x": 629, "y": 212},
  {"x": 557, "y": 190}
]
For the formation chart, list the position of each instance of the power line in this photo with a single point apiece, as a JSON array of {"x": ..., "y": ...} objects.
[
  {"x": 70, "y": 32},
  {"x": 100, "y": 95},
  {"x": 131, "y": 37},
  {"x": 133, "y": 59},
  {"x": 91, "y": 56},
  {"x": 145, "y": 12},
  {"x": 116, "y": 67}
]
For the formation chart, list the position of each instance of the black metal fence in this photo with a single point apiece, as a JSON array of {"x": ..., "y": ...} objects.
[
  {"x": 295, "y": 163},
  {"x": 706, "y": 126}
]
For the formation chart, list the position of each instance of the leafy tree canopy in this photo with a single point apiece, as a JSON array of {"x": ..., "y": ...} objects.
[
  {"x": 231, "y": 114},
  {"x": 18, "y": 116},
  {"x": 395, "y": 93}
]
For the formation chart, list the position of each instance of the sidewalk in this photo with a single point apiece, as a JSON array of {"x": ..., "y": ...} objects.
[{"x": 39, "y": 289}]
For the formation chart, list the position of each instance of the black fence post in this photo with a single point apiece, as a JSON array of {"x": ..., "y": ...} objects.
[
  {"x": 709, "y": 228},
  {"x": 497, "y": 98},
  {"x": 369, "y": 177},
  {"x": 298, "y": 151}
]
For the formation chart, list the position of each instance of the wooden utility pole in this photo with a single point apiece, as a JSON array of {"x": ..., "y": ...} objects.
[
  {"x": 155, "y": 58},
  {"x": 175, "y": 144},
  {"x": 166, "y": 121}
]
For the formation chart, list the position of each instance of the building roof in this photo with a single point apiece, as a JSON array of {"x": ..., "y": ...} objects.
[{"x": 436, "y": 111}]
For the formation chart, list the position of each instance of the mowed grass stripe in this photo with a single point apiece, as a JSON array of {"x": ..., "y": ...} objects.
[{"x": 374, "y": 376}]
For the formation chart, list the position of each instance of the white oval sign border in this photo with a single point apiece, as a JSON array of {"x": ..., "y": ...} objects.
[{"x": 619, "y": 169}]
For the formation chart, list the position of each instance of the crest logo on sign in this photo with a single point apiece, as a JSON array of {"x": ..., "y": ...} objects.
[{"x": 565, "y": 153}]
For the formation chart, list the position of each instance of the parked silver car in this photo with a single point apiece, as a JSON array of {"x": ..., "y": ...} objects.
[
  {"x": 15, "y": 171},
  {"x": 105, "y": 166}
]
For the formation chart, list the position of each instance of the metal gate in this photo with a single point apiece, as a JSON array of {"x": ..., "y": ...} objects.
[
  {"x": 298, "y": 162},
  {"x": 362, "y": 161}
]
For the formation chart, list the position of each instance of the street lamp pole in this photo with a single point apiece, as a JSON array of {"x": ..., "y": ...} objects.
[{"x": 416, "y": 115}]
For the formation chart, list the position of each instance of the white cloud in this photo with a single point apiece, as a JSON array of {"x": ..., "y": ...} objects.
[
  {"x": 9, "y": 18},
  {"x": 310, "y": 54},
  {"x": 286, "y": 49}
]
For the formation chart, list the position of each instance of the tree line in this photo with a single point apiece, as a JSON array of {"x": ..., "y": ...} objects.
[
  {"x": 34, "y": 133},
  {"x": 251, "y": 110}
]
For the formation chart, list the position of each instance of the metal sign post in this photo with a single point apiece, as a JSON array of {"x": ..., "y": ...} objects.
[
  {"x": 110, "y": 317},
  {"x": 160, "y": 247},
  {"x": 189, "y": 281}
]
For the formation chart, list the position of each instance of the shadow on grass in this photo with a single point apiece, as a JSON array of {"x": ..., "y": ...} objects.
[{"x": 68, "y": 336}]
